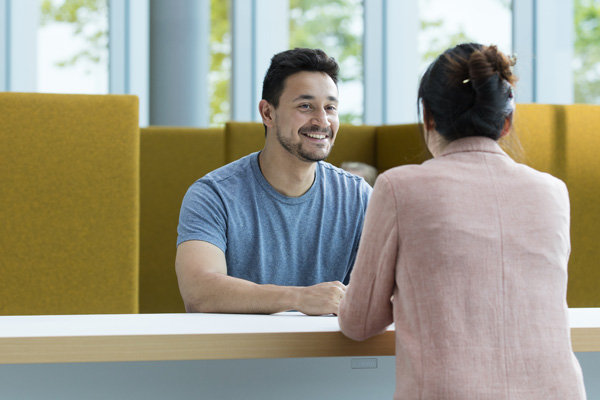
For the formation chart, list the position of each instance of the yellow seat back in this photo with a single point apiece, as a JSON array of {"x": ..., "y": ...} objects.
[{"x": 69, "y": 195}]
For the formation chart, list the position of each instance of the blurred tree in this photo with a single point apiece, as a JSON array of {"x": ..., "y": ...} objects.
[
  {"x": 220, "y": 62},
  {"x": 336, "y": 27},
  {"x": 435, "y": 35},
  {"x": 84, "y": 15},
  {"x": 586, "y": 58},
  {"x": 440, "y": 42}
]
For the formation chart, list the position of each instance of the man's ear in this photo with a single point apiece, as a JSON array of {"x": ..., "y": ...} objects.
[
  {"x": 507, "y": 125},
  {"x": 266, "y": 112}
]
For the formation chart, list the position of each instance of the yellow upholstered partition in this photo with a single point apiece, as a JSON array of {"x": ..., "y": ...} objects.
[
  {"x": 69, "y": 190},
  {"x": 243, "y": 138},
  {"x": 171, "y": 160},
  {"x": 400, "y": 145},
  {"x": 564, "y": 141},
  {"x": 353, "y": 143}
]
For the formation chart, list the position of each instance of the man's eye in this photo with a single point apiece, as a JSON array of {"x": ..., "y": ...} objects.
[{"x": 304, "y": 106}]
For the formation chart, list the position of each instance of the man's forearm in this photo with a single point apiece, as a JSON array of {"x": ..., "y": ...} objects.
[{"x": 218, "y": 293}]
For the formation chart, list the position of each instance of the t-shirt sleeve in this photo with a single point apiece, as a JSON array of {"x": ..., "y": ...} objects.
[
  {"x": 203, "y": 216},
  {"x": 366, "y": 191}
]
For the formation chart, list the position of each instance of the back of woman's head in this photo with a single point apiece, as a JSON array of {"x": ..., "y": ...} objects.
[{"x": 467, "y": 91}]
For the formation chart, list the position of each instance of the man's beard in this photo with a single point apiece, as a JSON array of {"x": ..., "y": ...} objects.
[{"x": 296, "y": 148}]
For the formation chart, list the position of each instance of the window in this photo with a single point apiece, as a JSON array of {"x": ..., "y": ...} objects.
[
  {"x": 586, "y": 54},
  {"x": 336, "y": 27},
  {"x": 445, "y": 24},
  {"x": 73, "y": 46},
  {"x": 220, "y": 63}
]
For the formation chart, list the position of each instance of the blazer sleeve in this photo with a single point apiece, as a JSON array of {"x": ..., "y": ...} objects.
[{"x": 366, "y": 308}]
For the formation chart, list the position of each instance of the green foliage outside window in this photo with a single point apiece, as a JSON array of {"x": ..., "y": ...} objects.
[
  {"x": 586, "y": 60},
  {"x": 335, "y": 26},
  {"x": 440, "y": 42},
  {"x": 83, "y": 15},
  {"x": 220, "y": 63}
]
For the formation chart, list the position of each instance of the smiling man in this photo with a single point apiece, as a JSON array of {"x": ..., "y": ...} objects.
[{"x": 276, "y": 230}]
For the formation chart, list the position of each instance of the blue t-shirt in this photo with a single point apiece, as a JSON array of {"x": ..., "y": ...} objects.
[{"x": 271, "y": 238}]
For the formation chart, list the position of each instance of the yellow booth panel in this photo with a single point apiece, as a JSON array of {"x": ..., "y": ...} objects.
[
  {"x": 354, "y": 143},
  {"x": 171, "y": 160},
  {"x": 243, "y": 138},
  {"x": 563, "y": 141},
  {"x": 400, "y": 145},
  {"x": 69, "y": 189}
]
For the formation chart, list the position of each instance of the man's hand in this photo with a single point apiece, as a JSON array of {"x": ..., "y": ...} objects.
[{"x": 323, "y": 298}]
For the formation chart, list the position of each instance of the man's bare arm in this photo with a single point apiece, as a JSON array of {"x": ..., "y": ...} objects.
[{"x": 205, "y": 287}]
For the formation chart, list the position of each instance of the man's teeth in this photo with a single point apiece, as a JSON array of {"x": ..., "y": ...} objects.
[{"x": 316, "y": 136}]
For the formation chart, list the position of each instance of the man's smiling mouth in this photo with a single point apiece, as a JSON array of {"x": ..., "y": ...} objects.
[{"x": 316, "y": 135}]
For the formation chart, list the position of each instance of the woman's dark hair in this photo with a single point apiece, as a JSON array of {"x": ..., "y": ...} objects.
[
  {"x": 468, "y": 91},
  {"x": 290, "y": 62}
]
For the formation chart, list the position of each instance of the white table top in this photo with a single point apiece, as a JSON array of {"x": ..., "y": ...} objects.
[
  {"x": 191, "y": 324},
  {"x": 162, "y": 324},
  {"x": 584, "y": 317}
]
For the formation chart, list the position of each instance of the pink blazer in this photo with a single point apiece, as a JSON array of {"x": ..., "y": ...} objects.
[{"x": 467, "y": 254}]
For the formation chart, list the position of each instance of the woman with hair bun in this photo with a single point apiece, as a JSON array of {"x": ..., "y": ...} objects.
[{"x": 467, "y": 253}]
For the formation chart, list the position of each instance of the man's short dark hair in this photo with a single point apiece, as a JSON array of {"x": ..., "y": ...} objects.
[{"x": 293, "y": 61}]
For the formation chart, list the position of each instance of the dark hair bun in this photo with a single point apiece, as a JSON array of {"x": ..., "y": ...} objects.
[
  {"x": 488, "y": 61},
  {"x": 468, "y": 91}
]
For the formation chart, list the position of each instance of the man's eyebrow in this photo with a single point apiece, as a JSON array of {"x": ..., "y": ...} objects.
[
  {"x": 304, "y": 97},
  {"x": 311, "y": 97}
]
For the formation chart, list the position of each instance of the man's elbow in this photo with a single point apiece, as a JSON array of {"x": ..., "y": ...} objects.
[
  {"x": 200, "y": 306},
  {"x": 193, "y": 308},
  {"x": 200, "y": 293}
]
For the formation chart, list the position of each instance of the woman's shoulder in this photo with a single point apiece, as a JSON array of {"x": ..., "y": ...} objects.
[
  {"x": 540, "y": 176},
  {"x": 413, "y": 172}
]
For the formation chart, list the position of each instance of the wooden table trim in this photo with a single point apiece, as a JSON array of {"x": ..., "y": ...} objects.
[
  {"x": 190, "y": 347},
  {"x": 585, "y": 339}
]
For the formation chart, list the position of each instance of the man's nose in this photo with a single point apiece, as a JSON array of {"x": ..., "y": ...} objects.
[{"x": 320, "y": 118}]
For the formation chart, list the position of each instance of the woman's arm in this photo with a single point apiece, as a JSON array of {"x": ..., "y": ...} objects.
[{"x": 366, "y": 308}]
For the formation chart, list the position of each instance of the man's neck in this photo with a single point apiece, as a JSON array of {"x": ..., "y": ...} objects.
[{"x": 285, "y": 173}]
